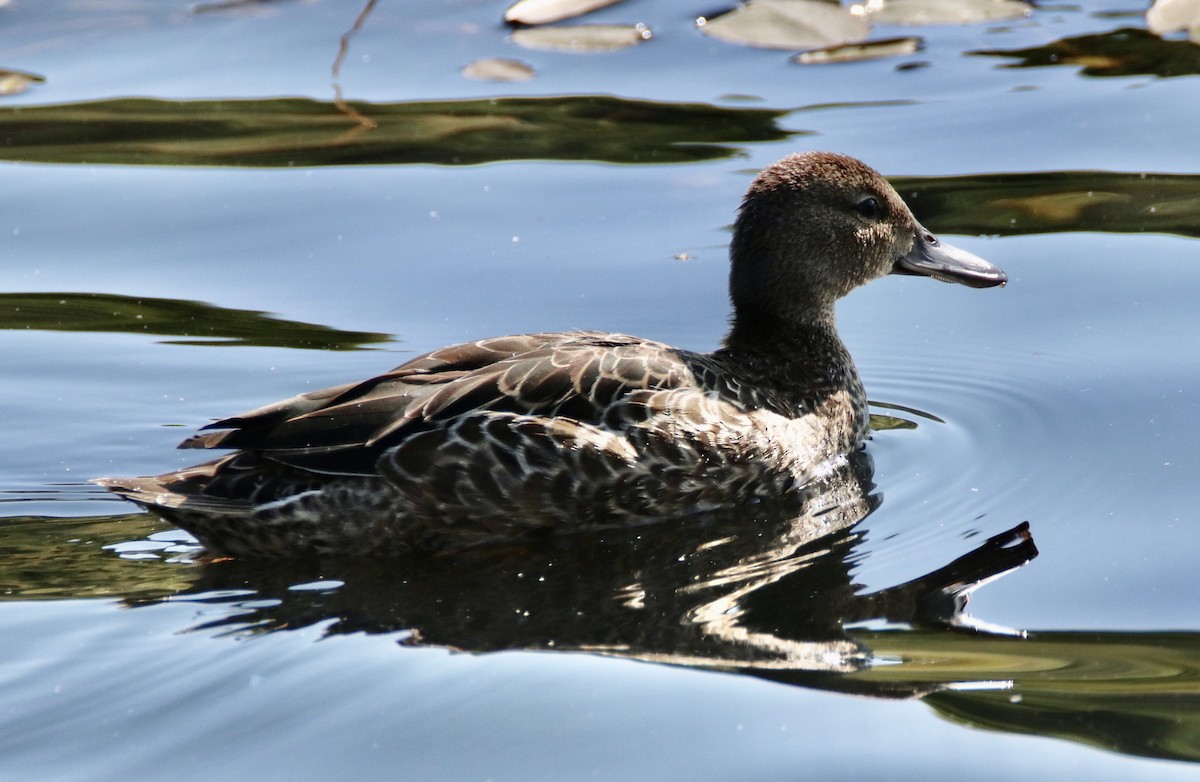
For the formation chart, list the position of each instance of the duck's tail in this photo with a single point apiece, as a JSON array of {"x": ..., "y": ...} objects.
[{"x": 183, "y": 489}]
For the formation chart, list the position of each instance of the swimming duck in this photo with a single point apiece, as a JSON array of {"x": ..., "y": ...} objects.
[{"x": 499, "y": 438}]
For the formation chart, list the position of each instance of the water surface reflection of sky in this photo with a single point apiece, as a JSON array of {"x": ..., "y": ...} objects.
[{"x": 191, "y": 226}]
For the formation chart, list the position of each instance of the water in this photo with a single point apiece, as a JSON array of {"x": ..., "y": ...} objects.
[{"x": 144, "y": 295}]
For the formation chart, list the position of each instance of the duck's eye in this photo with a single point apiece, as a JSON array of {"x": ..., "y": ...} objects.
[{"x": 868, "y": 208}]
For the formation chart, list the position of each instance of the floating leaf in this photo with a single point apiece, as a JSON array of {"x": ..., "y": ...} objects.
[
  {"x": 14, "y": 82},
  {"x": 917, "y": 12},
  {"x": 498, "y": 69},
  {"x": 547, "y": 11},
  {"x": 1167, "y": 16},
  {"x": 582, "y": 37},
  {"x": 787, "y": 24},
  {"x": 851, "y": 52}
]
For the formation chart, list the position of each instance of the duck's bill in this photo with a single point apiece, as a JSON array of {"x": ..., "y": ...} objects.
[{"x": 932, "y": 258}]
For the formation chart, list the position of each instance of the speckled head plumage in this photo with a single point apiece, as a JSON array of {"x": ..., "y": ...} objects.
[{"x": 816, "y": 225}]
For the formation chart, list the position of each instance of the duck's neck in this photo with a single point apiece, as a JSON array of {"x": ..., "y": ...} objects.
[
  {"x": 802, "y": 361},
  {"x": 803, "y": 345}
]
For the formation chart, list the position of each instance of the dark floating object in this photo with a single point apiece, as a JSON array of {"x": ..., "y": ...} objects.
[{"x": 496, "y": 439}]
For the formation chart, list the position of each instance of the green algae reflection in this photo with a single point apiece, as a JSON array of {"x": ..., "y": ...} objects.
[
  {"x": 1013, "y": 204},
  {"x": 301, "y": 132},
  {"x": 187, "y": 322},
  {"x": 308, "y": 133},
  {"x": 54, "y": 559},
  {"x": 1135, "y": 693},
  {"x": 1124, "y": 52}
]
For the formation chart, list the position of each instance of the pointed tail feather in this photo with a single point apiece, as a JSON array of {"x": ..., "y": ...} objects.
[{"x": 154, "y": 494}]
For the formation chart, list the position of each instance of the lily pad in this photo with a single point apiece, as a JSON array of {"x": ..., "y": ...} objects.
[
  {"x": 546, "y": 11},
  {"x": 787, "y": 24},
  {"x": 919, "y": 12},
  {"x": 13, "y": 82},
  {"x": 498, "y": 69},
  {"x": 852, "y": 52},
  {"x": 1168, "y": 16},
  {"x": 582, "y": 37}
]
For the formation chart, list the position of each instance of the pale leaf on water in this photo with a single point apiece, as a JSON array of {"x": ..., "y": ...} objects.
[
  {"x": 546, "y": 11},
  {"x": 497, "y": 69},
  {"x": 852, "y": 52},
  {"x": 919, "y": 12},
  {"x": 1167, "y": 16},
  {"x": 787, "y": 24},
  {"x": 582, "y": 37},
  {"x": 14, "y": 82}
]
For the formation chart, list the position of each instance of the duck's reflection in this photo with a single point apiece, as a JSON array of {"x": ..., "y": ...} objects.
[{"x": 768, "y": 591}]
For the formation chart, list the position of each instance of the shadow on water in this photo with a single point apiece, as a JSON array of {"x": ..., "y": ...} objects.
[
  {"x": 767, "y": 593},
  {"x": 190, "y": 322}
]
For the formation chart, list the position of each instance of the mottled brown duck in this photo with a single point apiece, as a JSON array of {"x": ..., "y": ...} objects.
[{"x": 500, "y": 438}]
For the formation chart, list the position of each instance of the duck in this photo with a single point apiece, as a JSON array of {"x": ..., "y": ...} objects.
[{"x": 513, "y": 437}]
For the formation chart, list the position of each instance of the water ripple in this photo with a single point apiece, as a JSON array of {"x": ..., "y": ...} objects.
[{"x": 959, "y": 464}]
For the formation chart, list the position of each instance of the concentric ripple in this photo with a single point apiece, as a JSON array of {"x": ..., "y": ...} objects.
[{"x": 955, "y": 461}]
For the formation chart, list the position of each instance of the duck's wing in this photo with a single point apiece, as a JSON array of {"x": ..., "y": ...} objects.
[{"x": 579, "y": 377}]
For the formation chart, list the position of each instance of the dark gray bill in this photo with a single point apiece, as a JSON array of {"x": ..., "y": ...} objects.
[{"x": 941, "y": 261}]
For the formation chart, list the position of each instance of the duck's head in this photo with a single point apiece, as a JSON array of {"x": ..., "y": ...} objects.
[{"x": 814, "y": 226}]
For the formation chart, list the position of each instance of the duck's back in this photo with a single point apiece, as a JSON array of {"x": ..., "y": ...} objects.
[{"x": 482, "y": 439}]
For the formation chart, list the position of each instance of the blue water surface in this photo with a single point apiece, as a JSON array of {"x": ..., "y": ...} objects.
[{"x": 1066, "y": 399}]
